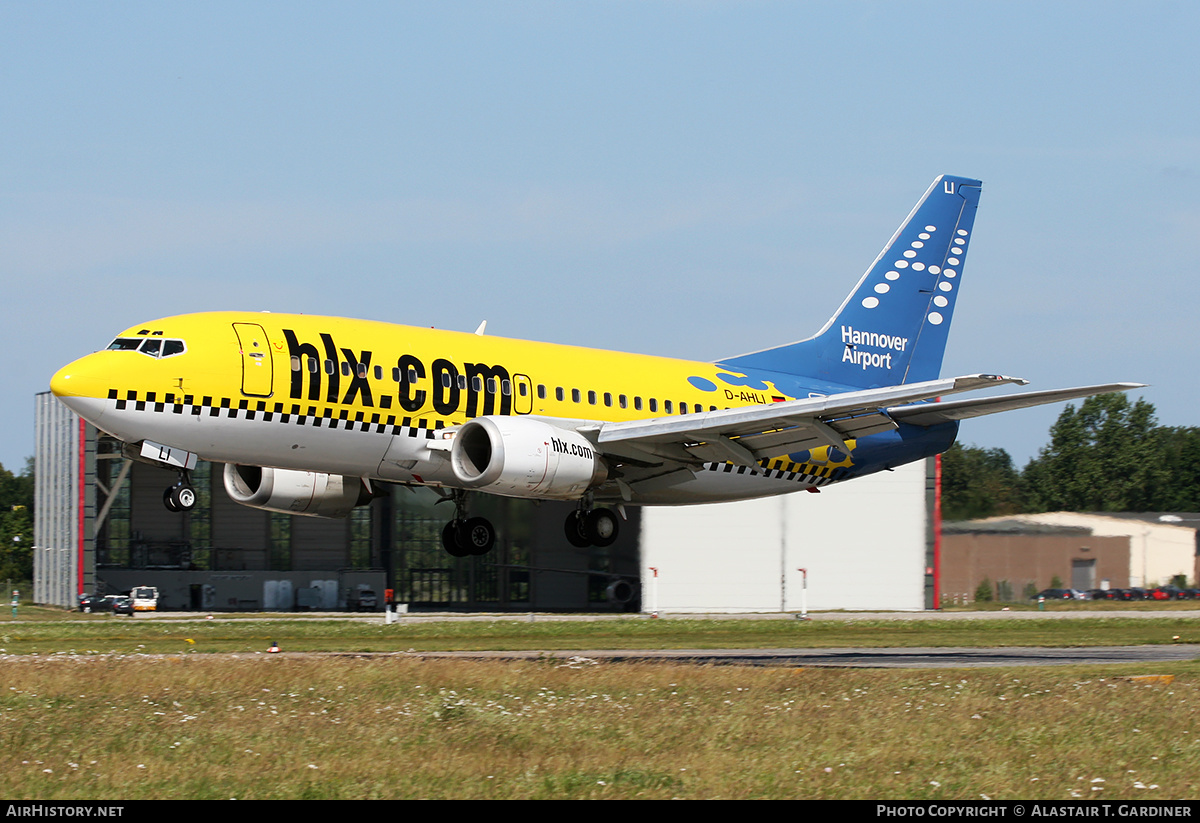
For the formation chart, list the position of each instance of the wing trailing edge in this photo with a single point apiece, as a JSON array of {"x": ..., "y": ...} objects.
[{"x": 930, "y": 414}]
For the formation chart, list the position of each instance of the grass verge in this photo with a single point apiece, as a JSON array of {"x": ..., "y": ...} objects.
[{"x": 215, "y": 726}]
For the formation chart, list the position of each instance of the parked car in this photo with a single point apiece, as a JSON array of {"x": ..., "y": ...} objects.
[
  {"x": 89, "y": 603},
  {"x": 364, "y": 600},
  {"x": 1103, "y": 594},
  {"x": 1054, "y": 594},
  {"x": 122, "y": 605}
]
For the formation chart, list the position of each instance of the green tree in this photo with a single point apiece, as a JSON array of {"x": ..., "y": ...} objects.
[
  {"x": 1179, "y": 488},
  {"x": 983, "y": 592},
  {"x": 16, "y": 524},
  {"x": 1107, "y": 455},
  {"x": 979, "y": 483}
]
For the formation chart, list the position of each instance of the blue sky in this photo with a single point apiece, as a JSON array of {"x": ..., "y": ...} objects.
[{"x": 693, "y": 179}]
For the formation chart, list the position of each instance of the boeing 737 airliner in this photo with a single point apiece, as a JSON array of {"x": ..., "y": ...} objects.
[{"x": 310, "y": 414}]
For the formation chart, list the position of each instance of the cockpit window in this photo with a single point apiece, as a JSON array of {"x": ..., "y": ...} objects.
[{"x": 155, "y": 347}]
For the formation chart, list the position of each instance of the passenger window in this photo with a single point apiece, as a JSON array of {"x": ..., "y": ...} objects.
[
  {"x": 295, "y": 362},
  {"x": 506, "y": 388},
  {"x": 683, "y": 408},
  {"x": 329, "y": 367},
  {"x": 623, "y": 402},
  {"x": 607, "y": 399},
  {"x": 637, "y": 403},
  {"x": 653, "y": 405},
  {"x": 541, "y": 391},
  {"x": 396, "y": 375},
  {"x": 592, "y": 397},
  {"x": 412, "y": 376},
  {"x": 379, "y": 372},
  {"x": 558, "y": 394},
  {"x": 462, "y": 382},
  {"x": 445, "y": 380},
  {"x": 491, "y": 385},
  {"x": 312, "y": 365},
  {"x": 362, "y": 370},
  {"x": 476, "y": 383},
  {"x": 575, "y": 395},
  {"x": 667, "y": 406}
]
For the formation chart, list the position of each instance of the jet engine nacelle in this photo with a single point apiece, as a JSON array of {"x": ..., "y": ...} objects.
[
  {"x": 295, "y": 492},
  {"x": 522, "y": 457}
]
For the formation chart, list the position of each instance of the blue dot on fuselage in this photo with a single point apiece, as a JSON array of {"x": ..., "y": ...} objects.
[{"x": 702, "y": 384}]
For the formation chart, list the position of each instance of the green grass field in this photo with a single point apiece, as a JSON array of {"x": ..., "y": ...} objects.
[{"x": 108, "y": 708}]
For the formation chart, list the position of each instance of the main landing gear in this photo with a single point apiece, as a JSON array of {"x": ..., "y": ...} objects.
[
  {"x": 591, "y": 527},
  {"x": 467, "y": 536},
  {"x": 182, "y": 496},
  {"x": 476, "y": 536}
]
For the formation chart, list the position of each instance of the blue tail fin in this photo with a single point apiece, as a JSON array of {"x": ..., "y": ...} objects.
[{"x": 892, "y": 328}]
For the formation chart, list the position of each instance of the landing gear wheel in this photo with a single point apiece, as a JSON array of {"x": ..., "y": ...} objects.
[
  {"x": 478, "y": 536},
  {"x": 575, "y": 529},
  {"x": 180, "y": 498},
  {"x": 602, "y": 527},
  {"x": 598, "y": 527},
  {"x": 185, "y": 495},
  {"x": 451, "y": 533}
]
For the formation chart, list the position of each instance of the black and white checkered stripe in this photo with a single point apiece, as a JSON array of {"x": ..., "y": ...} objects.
[
  {"x": 294, "y": 413},
  {"x": 779, "y": 469}
]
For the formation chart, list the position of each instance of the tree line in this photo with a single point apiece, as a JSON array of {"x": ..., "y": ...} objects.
[
  {"x": 1107, "y": 455},
  {"x": 16, "y": 524}
]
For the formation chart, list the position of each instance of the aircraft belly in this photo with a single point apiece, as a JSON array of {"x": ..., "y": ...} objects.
[{"x": 723, "y": 482}]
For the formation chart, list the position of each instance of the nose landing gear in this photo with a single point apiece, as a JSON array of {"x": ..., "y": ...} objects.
[{"x": 182, "y": 496}]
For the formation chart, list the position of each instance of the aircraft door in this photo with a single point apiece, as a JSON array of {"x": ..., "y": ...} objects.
[
  {"x": 257, "y": 365},
  {"x": 522, "y": 394}
]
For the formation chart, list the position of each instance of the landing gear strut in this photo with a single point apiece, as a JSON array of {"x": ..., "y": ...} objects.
[
  {"x": 466, "y": 536},
  {"x": 182, "y": 496},
  {"x": 591, "y": 527}
]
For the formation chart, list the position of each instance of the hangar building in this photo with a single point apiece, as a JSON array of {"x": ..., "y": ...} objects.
[{"x": 101, "y": 526}]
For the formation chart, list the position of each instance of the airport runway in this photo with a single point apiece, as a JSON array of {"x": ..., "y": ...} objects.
[
  {"x": 894, "y": 658},
  {"x": 914, "y": 658}
]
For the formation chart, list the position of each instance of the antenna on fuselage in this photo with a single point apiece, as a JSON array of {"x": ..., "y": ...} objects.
[{"x": 482, "y": 328}]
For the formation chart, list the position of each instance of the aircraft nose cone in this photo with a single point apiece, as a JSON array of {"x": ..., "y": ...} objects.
[
  {"x": 81, "y": 386},
  {"x": 61, "y": 383}
]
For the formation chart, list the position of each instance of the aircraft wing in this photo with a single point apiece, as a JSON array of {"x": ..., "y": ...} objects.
[
  {"x": 929, "y": 414},
  {"x": 744, "y": 436}
]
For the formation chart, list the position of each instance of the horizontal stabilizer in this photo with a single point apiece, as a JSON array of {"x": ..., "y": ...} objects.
[{"x": 930, "y": 414}]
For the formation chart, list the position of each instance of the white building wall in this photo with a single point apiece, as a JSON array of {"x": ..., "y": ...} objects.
[{"x": 862, "y": 542}]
